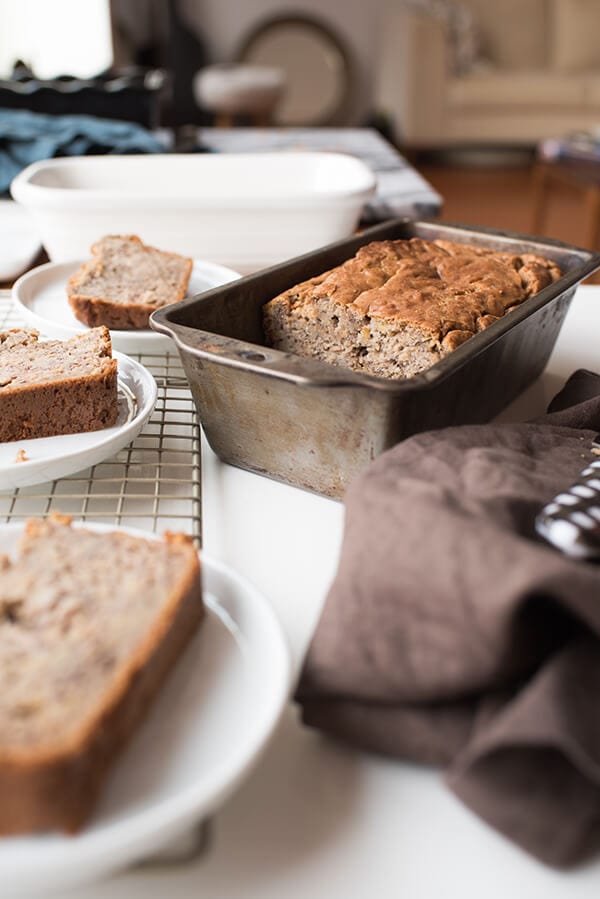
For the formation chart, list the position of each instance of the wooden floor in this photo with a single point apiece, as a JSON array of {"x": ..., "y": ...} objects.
[{"x": 502, "y": 198}]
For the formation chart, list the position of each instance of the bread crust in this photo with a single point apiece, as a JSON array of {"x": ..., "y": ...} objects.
[
  {"x": 57, "y": 788},
  {"x": 93, "y": 310}
]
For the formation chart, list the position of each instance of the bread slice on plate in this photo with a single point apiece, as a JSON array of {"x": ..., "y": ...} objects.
[
  {"x": 125, "y": 281},
  {"x": 56, "y": 386},
  {"x": 91, "y": 622}
]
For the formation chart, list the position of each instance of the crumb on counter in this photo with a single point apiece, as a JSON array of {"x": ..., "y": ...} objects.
[{"x": 21, "y": 456}]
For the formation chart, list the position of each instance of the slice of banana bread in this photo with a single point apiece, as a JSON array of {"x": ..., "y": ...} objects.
[
  {"x": 56, "y": 386},
  {"x": 90, "y": 625},
  {"x": 399, "y": 306},
  {"x": 125, "y": 282},
  {"x": 17, "y": 337}
]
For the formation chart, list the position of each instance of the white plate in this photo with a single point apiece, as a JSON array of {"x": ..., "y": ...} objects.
[
  {"x": 42, "y": 301},
  {"x": 206, "y": 729},
  {"x": 55, "y": 457},
  {"x": 19, "y": 242}
]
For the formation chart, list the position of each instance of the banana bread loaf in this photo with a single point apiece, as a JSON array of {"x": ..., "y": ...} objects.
[
  {"x": 56, "y": 386},
  {"x": 90, "y": 625},
  {"x": 398, "y": 306},
  {"x": 125, "y": 282}
]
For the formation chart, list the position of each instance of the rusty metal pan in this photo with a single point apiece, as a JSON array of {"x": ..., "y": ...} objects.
[{"x": 315, "y": 425}]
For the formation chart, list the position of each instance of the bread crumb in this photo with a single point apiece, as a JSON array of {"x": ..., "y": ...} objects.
[{"x": 21, "y": 456}]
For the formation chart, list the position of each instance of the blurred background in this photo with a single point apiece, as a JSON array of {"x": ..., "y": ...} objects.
[{"x": 496, "y": 104}]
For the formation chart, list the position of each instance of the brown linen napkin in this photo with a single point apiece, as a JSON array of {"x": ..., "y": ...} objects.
[{"x": 453, "y": 635}]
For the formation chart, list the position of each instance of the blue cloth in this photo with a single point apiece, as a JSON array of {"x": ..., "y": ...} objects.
[{"x": 27, "y": 137}]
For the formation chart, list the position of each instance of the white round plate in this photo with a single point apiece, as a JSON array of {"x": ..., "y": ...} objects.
[
  {"x": 19, "y": 242},
  {"x": 210, "y": 721},
  {"x": 41, "y": 299},
  {"x": 49, "y": 458}
]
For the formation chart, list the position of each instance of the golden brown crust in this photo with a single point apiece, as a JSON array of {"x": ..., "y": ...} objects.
[
  {"x": 449, "y": 291},
  {"x": 57, "y": 789},
  {"x": 35, "y": 526}
]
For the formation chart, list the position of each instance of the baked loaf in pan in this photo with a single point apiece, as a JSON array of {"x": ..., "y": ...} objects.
[
  {"x": 56, "y": 386},
  {"x": 90, "y": 625},
  {"x": 398, "y": 306},
  {"x": 125, "y": 281}
]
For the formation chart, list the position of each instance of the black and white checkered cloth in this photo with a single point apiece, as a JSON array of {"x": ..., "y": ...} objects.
[{"x": 401, "y": 191}]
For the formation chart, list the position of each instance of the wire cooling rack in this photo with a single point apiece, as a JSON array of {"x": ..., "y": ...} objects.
[{"x": 153, "y": 484}]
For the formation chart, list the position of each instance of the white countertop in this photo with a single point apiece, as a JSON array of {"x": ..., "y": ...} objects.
[{"x": 317, "y": 819}]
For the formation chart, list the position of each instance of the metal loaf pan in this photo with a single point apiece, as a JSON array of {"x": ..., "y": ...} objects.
[{"x": 314, "y": 425}]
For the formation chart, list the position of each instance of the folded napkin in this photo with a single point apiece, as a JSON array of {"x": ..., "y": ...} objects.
[
  {"x": 27, "y": 137},
  {"x": 454, "y": 636}
]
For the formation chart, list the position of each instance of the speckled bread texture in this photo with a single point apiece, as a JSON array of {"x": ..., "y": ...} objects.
[
  {"x": 17, "y": 337},
  {"x": 91, "y": 623},
  {"x": 399, "y": 306},
  {"x": 125, "y": 281},
  {"x": 56, "y": 386}
]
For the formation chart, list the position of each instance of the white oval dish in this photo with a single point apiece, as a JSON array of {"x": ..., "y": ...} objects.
[
  {"x": 243, "y": 210},
  {"x": 41, "y": 298},
  {"x": 49, "y": 458},
  {"x": 206, "y": 729}
]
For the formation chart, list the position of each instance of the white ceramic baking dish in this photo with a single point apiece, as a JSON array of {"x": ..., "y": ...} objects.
[{"x": 243, "y": 210}]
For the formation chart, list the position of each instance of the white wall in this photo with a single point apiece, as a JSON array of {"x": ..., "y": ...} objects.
[
  {"x": 224, "y": 23},
  {"x": 56, "y": 37}
]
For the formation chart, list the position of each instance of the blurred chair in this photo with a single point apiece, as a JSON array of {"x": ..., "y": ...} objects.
[
  {"x": 479, "y": 72},
  {"x": 582, "y": 176}
]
